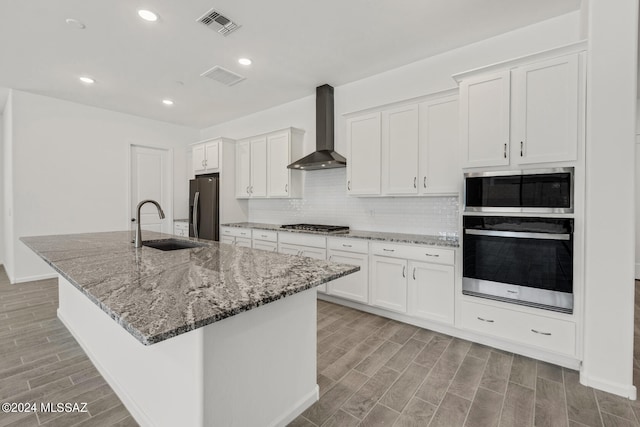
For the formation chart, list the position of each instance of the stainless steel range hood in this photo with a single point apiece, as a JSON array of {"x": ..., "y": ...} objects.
[{"x": 324, "y": 157}]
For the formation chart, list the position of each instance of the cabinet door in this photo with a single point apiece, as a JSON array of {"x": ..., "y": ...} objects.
[
  {"x": 400, "y": 150},
  {"x": 277, "y": 161},
  {"x": 389, "y": 283},
  {"x": 546, "y": 100},
  {"x": 212, "y": 156},
  {"x": 354, "y": 286},
  {"x": 198, "y": 159},
  {"x": 439, "y": 142},
  {"x": 243, "y": 169},
  {"x": 243, "y": 242},
  {"x": 285, "y": 248},
  {"x": 258, "y": 186},
  {"x": 484, "y": 120},
  {"x": 364, "y": 145},
  {"x": 431, "y": 291},
  {"x": 265, "y": 246},
  {"x": 228, "y": 240}
]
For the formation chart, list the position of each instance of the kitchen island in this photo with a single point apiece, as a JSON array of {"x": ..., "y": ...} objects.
[{"x": 207, "y": 336}]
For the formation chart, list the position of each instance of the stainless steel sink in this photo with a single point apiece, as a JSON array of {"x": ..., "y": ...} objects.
[{"x": 172, "y": 244}]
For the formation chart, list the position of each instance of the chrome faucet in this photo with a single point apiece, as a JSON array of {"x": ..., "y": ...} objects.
[{"x": 138, "y": 241}]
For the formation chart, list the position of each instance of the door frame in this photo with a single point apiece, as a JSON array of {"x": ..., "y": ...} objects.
[{"x": 168, "y": 210}]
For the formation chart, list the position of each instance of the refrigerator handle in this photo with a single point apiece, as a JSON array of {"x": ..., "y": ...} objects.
[{"x": 196, "y": 199}]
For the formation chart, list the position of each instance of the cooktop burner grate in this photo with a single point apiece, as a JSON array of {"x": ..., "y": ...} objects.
[{"x": 319, "y": 228}]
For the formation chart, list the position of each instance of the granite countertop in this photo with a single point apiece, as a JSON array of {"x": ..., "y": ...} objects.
[
  {"x": 421, "y": 239},
  {"x": 157, "y": 295}
]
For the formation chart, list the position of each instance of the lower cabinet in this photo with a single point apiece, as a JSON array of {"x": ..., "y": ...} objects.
[
  {"x": 431, "y": 291},
  {"x": 236, "y": 236},
  {"x": 181, "y": 228},
  {"x": 243, "y": 242},
  {"x": 354, "y": 286},
  {"x": 308, "y": 251},
  {"x": 230, "y": 240},
  {"x": 265, "y": 245},
  {"x": 389, "y": 283}
]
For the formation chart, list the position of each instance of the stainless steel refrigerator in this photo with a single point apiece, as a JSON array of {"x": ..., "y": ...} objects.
[{"x": 204, "y": 199}]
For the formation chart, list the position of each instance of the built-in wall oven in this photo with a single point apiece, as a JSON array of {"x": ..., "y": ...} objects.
[{"x": 516, "y": 246}]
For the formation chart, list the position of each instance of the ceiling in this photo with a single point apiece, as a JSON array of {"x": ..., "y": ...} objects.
[{"x": 295, "y": 46}]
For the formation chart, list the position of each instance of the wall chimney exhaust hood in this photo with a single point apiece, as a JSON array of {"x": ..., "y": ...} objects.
[{"x": 324, "y": 157}]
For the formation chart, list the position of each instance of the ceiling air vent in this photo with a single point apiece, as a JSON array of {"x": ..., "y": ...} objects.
[
  {"x": 218, "y": 22},
  {"x": 222, "y": 75}
]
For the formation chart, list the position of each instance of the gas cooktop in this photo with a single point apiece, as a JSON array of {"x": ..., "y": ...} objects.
[{"x": 318, "y": 228}]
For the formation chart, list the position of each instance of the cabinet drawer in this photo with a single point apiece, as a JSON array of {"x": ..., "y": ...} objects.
[
  {"x": 547, "y": 333},
  {"x": 236, "y": 232},
  {"x": 267, "y": 235},
  {"x": 414, "y": 252},
  {"x": 181, "y": 225},
  {"x": 348, "y": 245},
  {"x": 303, "y": 239},
  {"x": 243, "y": 242}
]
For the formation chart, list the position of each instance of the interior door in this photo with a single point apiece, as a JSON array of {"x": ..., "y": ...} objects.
[{"x": 151, "y": 179}]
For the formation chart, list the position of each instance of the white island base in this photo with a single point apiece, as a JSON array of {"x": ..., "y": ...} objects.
[{"x": 257, "y": 368}]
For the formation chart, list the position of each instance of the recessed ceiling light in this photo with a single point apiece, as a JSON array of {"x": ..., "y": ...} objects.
[
  {"x": 167, "y": 102},
  {"x": 147, "y": 15},
  {"x": 75, "y": 23},
  {"x": 87, "y": 80},
  {"x": 244, "y": 61}
]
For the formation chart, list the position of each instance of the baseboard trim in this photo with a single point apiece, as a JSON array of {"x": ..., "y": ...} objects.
[
  {"x": 135, "y": 411},
  {"x": 298, "y": 408},
  {"x": 624, "y": 390},
  {"x": 26, "y": 279}
]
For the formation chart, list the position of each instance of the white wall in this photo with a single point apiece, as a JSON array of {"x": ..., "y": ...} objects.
[
  {"x": 610, "y": 206},
  {"x": 70, "y": 170},
  {"x": 411, "y": 215},
  {"x": 7, "y": 183}
]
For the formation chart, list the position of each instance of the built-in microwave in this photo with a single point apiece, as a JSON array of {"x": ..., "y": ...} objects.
[{"x": 540, "y": 191}]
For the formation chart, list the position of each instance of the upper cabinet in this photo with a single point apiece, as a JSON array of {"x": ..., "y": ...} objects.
[
  {"x": 363, "y": 163},
  {"x": 405, "y": 149},
  {"x": 261, "y": 165},
  {"x": 525, "y": 111},
  {"x": 205, "y": 157}
]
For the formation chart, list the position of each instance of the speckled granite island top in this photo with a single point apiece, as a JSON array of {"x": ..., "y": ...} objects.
[
  {"x": 418, "y": 239},
  {"x": 157, "y": 295}
]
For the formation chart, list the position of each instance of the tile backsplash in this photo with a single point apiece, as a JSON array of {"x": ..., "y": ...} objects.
[{"x": 325, "y": 202}]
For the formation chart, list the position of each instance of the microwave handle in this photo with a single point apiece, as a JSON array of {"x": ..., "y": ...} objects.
[{"x": 518, "y": 234}]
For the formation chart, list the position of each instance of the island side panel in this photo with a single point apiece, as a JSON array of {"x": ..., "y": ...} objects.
[
  {"x": 161, "y": 385},
  {"x": 260, "y": 366}
]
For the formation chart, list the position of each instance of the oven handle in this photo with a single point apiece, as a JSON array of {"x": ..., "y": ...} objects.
[{"x": 518, "y": 234}]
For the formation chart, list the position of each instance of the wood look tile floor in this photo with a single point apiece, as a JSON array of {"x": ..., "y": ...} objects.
[
  {"x": 372, "y": 371},
  {"x": 41, "y": 362}
]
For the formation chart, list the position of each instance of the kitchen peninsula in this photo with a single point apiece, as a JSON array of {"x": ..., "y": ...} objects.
[{"x": 213, "y": 335}]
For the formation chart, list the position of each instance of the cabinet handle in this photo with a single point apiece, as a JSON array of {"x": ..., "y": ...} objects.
[
  {"x": 485, "y": 320},
  {"x": 433, "y": 255},
  {"x": 206, "y": 162},
  {"x": 404, "y": 269},
  {"x": 251, "y": 189},
  {"x": 521, "y": 148},
  {"x": 541, "y": 333},
  {"x": 349, "y": 185},
  {"x": 243, "y": 233},
  {"x": 248, "y": 189},
  {"x": 330, "y": 256},
  {"x": 505, "y": 151},
  {"x": 414, "y": 273},
  {"x": 388, "y": 250},
  {"x": 299, "y": 253},
  {"x": 263, "y": 235},
  {"x": 415, "y": 182},
  {"x": 424, "y": 182},
  {"x": 275, "y": 249},
  {"x": 203, "y": 163},
  {"x": 344, "y": 245},
  {"x": 286, "y": 188}
]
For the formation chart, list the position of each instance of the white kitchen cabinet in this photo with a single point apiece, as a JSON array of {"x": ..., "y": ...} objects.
[
  {"x": 484, "y": 119},
  {"x": 228, "y": 240},
  {"x": 261, "y": 165},
  {"x": 181, "y": 228},
  {"x": 265, "y": 246},
  {"x": 439, "y": 157},
  {"x": 205, "y": 157},
  {"x": 363, "y": 152},
  {"x": 243, "y": 242},
  {"x": 251, "y": 168},
  {"x": 431, "y": 291},
  {"x": 389, "y": 283},
  {"x": 265, "y": 240},
  {"x": 354, "y": 286},
  {"x": 400, "y": 140},
  {"x": 308, "y": 251},
  {"x": 525, "y": 111},
  {"x": 546, "y": 99},
  {"x": 236, "y": 236}
]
